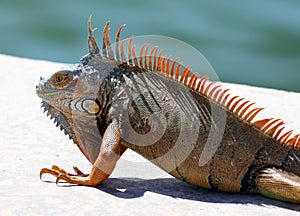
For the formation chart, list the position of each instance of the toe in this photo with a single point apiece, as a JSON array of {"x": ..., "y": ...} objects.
[
  {"x": 48, "y": 171},
  {"x": 78, "y": 171}
]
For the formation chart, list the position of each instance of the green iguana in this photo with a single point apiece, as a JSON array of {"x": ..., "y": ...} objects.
[{"x": 153, "y": 105}]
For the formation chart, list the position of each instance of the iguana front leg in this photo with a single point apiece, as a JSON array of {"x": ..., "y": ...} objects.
[{"x": 110, "y": 152}]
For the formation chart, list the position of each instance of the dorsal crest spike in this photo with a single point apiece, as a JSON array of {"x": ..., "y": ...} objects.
[
  {"x": 251, "y": 115},
  {"x": 276, "y": 136},
  {"x": 229, "y": 103},
  {"x": 213, "y": 90},
  {"x": 155, "y": 58},
  {"x": 240, "y": 107},
  {"x": 123, "y": 56},
  {"x": 192, "y": 79},
  {"x": 221, "y": 96},
  {"x": 236, "y": 103},
  {"x": 295, "y": 141},
  {"x": 129, "y": 49},
  {"x": 271, "y": 131},
  {"x": 217, "y": 93},
  {"x": 109, "y": 48},
  {"x": 104, "y": 39},
  {"x": 208, "y": 88},
  {"x": 163, "y": 63},
  {"x": 185, "y": 74},
  {"x": 201, "y": 83},
  {"x": 151, "y": 57},
  {"x": 262, "y": 123},
  {"x": 134, "y": 56},
  {"x": 224, "y": 101},
  {"x": 269, "y": 124},
  {"x": 173, "y": 67},
  {"x": 142, "y": 54},
  {"x": 146, "y": 56},
  {"x": 177, "y": 74},
  {"x": 167, "y": 66},
  {"x": 92, "y": 44},
  {"x": 159, "y": 60},
  {"x": 243, "y": 111},
  {"x": 285, "y": 136},
  {"x": 117, "y": 49}
]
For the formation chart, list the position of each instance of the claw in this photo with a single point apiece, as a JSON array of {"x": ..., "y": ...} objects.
[
  {"x": 62, "y": 176},
  {"x": 48, "y": 171},
  {"x": 59, "y": 170}
]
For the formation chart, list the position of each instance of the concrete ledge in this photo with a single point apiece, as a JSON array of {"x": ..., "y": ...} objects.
[{"x": 29, "y": 141}]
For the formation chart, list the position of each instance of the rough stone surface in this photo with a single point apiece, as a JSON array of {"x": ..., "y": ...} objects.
[{"x": 29, "y": 141}]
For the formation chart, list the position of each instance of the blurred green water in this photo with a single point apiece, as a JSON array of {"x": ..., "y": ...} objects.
[{"x": 252, "y": 42}]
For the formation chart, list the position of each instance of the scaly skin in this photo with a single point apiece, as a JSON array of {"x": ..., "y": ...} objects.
[{"x": 106, "y": 105}]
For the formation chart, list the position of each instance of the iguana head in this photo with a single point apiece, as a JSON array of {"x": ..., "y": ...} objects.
[
  {"x": 56, "y": 93},
  {"x": 76, "y": 95}
]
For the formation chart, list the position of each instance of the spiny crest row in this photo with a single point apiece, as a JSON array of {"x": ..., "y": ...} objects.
[{"x": 154, "y": 61}]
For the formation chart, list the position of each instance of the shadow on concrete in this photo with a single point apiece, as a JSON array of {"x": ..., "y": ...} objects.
[{"x": 129, "y": 188}]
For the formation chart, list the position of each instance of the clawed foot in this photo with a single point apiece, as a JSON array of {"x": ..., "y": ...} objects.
[{"x": 77, "y": 178}]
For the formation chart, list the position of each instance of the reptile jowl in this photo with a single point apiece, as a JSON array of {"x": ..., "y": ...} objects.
[{"x": 184, "y": 123}]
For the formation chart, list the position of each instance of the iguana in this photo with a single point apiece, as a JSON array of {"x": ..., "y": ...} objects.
[{"x": 170, "y": 115}]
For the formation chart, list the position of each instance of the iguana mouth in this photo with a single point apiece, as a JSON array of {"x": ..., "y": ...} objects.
[{"x": 60, "y": 119}]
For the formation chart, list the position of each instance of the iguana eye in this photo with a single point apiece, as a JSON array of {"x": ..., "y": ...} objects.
[{"x": 59, "y": 79}]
